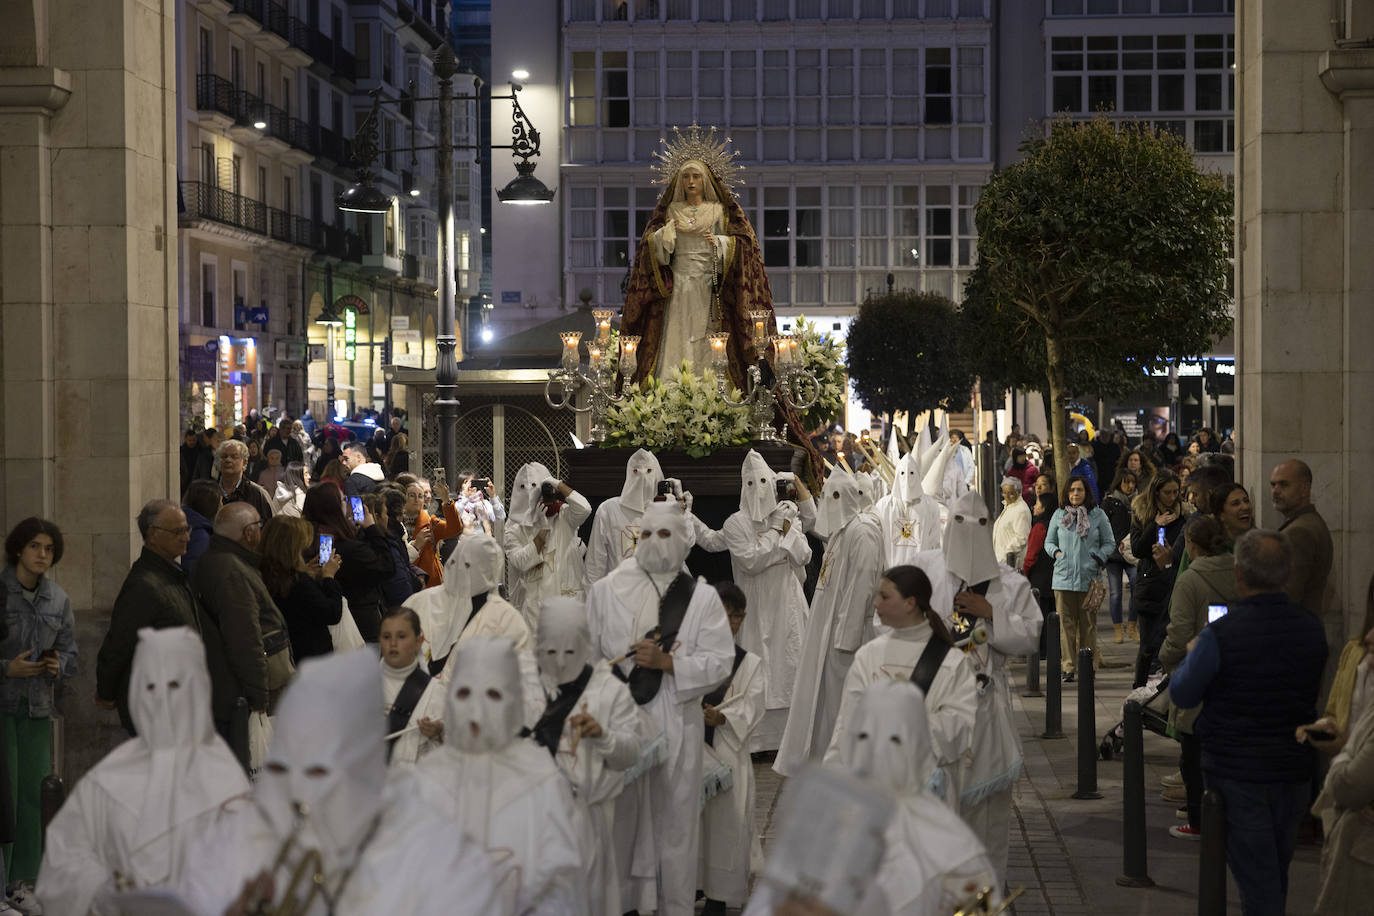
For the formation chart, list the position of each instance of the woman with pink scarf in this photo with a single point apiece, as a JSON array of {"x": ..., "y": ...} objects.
[{"x": 1079, "y": 541}]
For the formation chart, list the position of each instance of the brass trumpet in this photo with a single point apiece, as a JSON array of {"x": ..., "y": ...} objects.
[
  {"x": 310, "y": 867},
  {"x": 980, "y": 903}
]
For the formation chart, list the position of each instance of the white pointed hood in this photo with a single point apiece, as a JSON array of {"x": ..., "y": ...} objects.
[
  {"x": 887, "y": 742},
  {"x": 525, "y": 508},
  {"x": 642, "y": 475},
  {"x": 562, "y": 640},
  {"x": 968, "y": 541},
  {"x": 484, "y": 703},
  {"x": 934, "y": 479},
  {"x": 474, "y": 568},
  {"x": 758, "y": 495},
  {"x": 906, "y": 482},
  {"x": 841, "y": 501},
  {"x": 931, "y": 448},
  {"x": 327, "y": 756},
  {"x": 659, "y": 555}
]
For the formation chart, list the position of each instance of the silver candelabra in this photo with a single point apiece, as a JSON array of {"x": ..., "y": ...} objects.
[
  {"x": 794, "y": 384},
  {"x": 598, "y": 378}
]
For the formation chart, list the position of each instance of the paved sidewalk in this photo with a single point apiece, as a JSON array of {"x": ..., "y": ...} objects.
[{"x": 1066, "y": 853}]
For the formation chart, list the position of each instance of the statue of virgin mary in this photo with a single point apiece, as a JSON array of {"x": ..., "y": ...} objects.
[{"x": 698, "y": 268}]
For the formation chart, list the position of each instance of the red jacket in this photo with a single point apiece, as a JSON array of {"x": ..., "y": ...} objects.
[{"x": 1027, "y": 477}]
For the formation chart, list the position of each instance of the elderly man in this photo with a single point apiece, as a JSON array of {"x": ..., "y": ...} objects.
[
  {"x": 363, "y": 475},
  {"x": 154, "y": 595},
  {"x": 1290, "y": 489},
  {"x": 231, "y": 591},
  {"x": 1256, "y": 672},
  {"x": 234, "y": 482}
]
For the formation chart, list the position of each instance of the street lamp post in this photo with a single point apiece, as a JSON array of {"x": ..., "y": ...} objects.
[
  {"x": 331, "y": 319},
  {"x": 364, "y": 197}
]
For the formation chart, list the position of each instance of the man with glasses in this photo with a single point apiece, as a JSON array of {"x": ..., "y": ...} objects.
[
  {"x": 155, "y": 594},
  {"x": 233, "y": 462}
]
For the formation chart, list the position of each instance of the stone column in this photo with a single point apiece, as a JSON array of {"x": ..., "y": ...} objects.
[
  {"x": 88, "y": 293},
  {"x": 1304, "y": 322}
]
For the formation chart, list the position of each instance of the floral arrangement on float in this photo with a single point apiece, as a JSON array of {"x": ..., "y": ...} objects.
[
  {"x": 680, "y": 410},
  {"x": 823, "y": 355}
]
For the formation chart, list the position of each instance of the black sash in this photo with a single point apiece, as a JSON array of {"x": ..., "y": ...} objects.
[
  {"x": 715, "y": 696},
  {"x": 672, "y": 608},
  {"x": 928, "y": 665},
  {"x": 548, "y": 731},
  {"x": 961, "y": 625},
  {"x": 405, "y": 704}
]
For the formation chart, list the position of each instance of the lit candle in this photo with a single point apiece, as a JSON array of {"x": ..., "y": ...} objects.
[
  {"x": 782, "y": 349},
  {"x": 594, "y": 353},
  {"x": 628, "y": 359},
  {"x": 603, "y": 325},
  {"x": 718, "y": 341},
  {"x": 570, "y": 357}
]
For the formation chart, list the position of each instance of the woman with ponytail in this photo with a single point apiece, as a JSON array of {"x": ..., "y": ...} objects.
[{"x": 951, "y": 690}]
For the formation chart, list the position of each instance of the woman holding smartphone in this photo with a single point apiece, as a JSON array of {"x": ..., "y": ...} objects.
[
  {"x": 1209, "y": 580},
  {"x": 39, "y": 648},
  {"x": 301, "y": 581},
  {"x": 365, "y": 556},
  {"x": 1156, "y": 522}
]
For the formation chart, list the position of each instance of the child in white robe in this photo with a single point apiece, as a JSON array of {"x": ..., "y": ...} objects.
[
  {"x": 420, "y": 715},
  {"x": 732, "y": 711}
]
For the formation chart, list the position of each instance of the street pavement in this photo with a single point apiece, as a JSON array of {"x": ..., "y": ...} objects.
[{"x": 1066, "y": 852}]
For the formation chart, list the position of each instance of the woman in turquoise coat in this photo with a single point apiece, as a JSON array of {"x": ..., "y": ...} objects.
[{"x": 1079, "y": 541}]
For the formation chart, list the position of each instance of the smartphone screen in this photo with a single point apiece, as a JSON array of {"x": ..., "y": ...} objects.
[
  {"x": 1215, "y": 612},
  {"x": 1160, "y": 537},
  {"x": 326, "y": 548},
  {"x": 357, "y": 504}
]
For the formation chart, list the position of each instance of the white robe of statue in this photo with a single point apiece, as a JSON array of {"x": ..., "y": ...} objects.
[
  {"x": 503, "y": 790},
  {"x": 137, "y": 810},
  {"x": 615, "y": 528},
  {"x": 383, "y": 848},
  {"x": 621, "y": 609},
  {"x": 535, "y": 574},
  {"x": 693, "y": 260},
  {"x": 728, "y": 843},
  {"x": 840, "y": 619},
  {"x": 770, "y": 568}
]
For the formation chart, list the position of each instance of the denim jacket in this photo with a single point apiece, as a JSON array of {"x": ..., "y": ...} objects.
[{"x": 47, "y": 623}]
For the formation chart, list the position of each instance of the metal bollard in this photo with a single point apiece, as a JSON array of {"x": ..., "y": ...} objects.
[
  {"x": 1134, "y": 863},
  {"x": 1033, "y": 676},
  {"x": 238, "y": 734},
  {"x": 1054, "y": 687},
  {"x": 52, "y": 792},
  {"x": 1087, "y": 729},
  {"x": 1211, "y": 872}
]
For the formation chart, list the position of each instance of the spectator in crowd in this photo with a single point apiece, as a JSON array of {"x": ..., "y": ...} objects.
[
  {"x": 479, "y": 506},
  {"x": 257, "y": 463},
  {"x": 1353, "y": 689},
  {"x": 283, "y": 437},
  {"x": 190, "y": 454},
  {"x": 1290, "y": 488},
  {"x": 274, "y": 472},
  {"x": 1256, "y": 673},
  {"x": 1229, "y": 504},
  {"x": 1012, "y": 528},
  {"x": 1039, "y": 566},
  {"x": 426, "y": 531},
  {"x": 234, "y": 482},
  {"x": 38, "y": 648},
  {"x": 200, "y": 504},
  {"x": 1208, "y": 582},
  {"x": 402, "y": 583},
  {"x": 363, "y": 474},
  {"x": 205, "y": 463},
  {"x": 1080, "y": 466},
  {"x": 1139, "y": 464},
  {"x": 229, "y": 587},
  {"x": 398, "y": 455},
  {"x": 1079, "y": 538},
  {"x": 1171, "y": 450},
  {"x": 1025, "y": 472},
  {"x": 1156, "y": 523},
  {"x": 1121, "y": 565},
  {"x": 335, "y": 473},
  {"x": 328, "y": 451},
  {"x": 1207, "y": 440},
  {"x": 304, "y": 590},
  {"x": 364, "y": 551},
  {"x": 1106, "y": 454}
]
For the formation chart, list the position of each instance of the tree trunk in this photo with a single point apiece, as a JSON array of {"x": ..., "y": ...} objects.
[{"x": 1054, "y": 372}]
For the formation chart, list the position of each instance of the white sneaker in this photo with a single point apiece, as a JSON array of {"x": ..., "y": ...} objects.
[
  {"x": 1173, "y": 780},
  {"x": 22, "y": 899},
  {"x": 6, "y": 909}
]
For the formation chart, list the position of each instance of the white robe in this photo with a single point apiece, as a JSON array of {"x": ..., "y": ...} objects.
[
  {"x": 1011, "y": 531},
  {"x": 516, "y": 803},
  {"x": 1013, "y": 631},
  {"x": 770, "y": 568},
  {"x": 596, "y": 772},
  {"x": 411, "y": 865},
  {"x": 951, "y": 704},
  {"x": 621, "y": 609},
  {"x": 838, "y": 624},
  {"x": 614, "y": 536},
  {"x": 95, "y": 832},
  {"x": 728, "y": 844},
  {"x": 908, "y": 528},
  {"x": 689, "y": 310},
  {"x": 411, "y": 746},
  {"x": 557, "y": 570}
]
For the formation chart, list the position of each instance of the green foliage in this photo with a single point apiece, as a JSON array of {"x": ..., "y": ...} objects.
[
  {"x": 905, "y": 353},
  {"x": 824, "y": 356},
  {"x": 1102, "y": 253},
  {"x": 682, "y": 410}
]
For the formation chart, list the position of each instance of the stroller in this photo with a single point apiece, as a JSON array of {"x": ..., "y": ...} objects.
[{"x": 1154, "y": 715}]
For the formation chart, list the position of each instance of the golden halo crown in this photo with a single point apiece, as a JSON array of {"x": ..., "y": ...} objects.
[{"x": 696, "y": 142}]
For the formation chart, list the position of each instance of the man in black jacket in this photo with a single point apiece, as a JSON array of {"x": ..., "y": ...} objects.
[{"x": 155, "y": 594}]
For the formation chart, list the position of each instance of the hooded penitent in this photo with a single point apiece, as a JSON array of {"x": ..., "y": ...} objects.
[
  {"x": 562, "y": 642},
  {"x": 841, "y": 500},
  {"x": 906, "y": 483},
  {"x": 665, "y": 539},
  {"x": 327, "y": 760},
  {"x": 968, "y": 541},
  {"x": 525, "y": 507},
  {"x": 934, "y": 479},
  {"x": 642, "y": 475},
  {"x": 929, "y": 448},
  {"x": 888, "y": 741},
  {"x": 758, "y": 494},
  {"x": 485, "y": 701}
]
